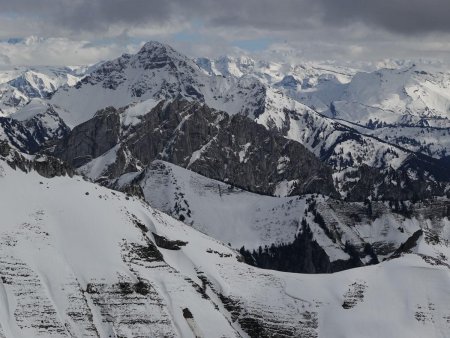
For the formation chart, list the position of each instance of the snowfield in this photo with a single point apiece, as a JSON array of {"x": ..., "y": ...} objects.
[{"x": 79, "y": 260}]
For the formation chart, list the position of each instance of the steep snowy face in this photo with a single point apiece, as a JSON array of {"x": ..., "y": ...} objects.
[
  {"x": 155, "y": 61},
  {"x": 33, "y": 84},
  {"x": 97, "y": 275},
  {"x": 79, "y": 260},
  {"x": 157, "y": 72}
]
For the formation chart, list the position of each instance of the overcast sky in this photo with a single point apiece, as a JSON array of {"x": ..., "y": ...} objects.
[{"x": 73, "y": 32}]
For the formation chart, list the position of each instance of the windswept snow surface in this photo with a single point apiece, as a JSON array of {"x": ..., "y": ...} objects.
[{"x": 72, "y": 254}]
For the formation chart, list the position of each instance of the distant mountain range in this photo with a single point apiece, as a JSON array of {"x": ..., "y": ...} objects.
[{"x": 143, "y": 195}]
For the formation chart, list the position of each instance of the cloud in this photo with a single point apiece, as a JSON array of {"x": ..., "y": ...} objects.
[
  {"x": 405, "y": 16},
  {"x": 58, "y": 51},
  {"x": 4, "y": 59},
  {"x": 334, "y": 29},
  {"x": 408, "y": 17}
]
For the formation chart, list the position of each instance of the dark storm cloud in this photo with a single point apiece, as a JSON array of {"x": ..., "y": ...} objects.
[
  {"x": 88, "y": 15},
  {"x": 404, "y": 16}
]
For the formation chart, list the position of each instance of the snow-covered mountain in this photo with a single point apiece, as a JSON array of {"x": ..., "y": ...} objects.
[
  {"x": 231, "y": 149},
  {"x": 21, "y": 84},
  {"x": 159, "y": 196},
  {"x": 85, "y": 261},
  {"x": 361, "y": 157},
  {"x": 156, "y": 72},
  {"x": 415, "y": 95},
  {"x": 194, "y": 136},
  {"x": 11, "y": 99},
  {"x": 285, "y": 75},
  {"x": 249, "y": 220}
]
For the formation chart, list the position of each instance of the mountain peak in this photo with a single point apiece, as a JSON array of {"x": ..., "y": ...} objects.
[
  {"x": 157, "y": 48},
  {"x": 155, "y": 54},
  {"x": 152, "y": 45}
]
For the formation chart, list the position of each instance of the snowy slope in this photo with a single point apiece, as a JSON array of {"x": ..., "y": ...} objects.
[
  {"x": 241, "y": 218},
  {"x": 74, "y": 255},
  {"x": 77, "y": 261},
  {"x": 229, "y": 214}
]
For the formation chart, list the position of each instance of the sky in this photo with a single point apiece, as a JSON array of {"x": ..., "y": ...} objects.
[{"x": 76, "y": 32}]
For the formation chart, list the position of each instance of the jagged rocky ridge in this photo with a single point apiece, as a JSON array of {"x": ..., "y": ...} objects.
[
  {"x": 46, "y": 166},
  {"x": 363, "y": 163},
  {"x": 238, "y": 150},
  {"x": 227, "y": 148}
]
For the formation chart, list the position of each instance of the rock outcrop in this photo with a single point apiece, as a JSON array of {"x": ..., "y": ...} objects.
[{"x": 228, "y": 148}]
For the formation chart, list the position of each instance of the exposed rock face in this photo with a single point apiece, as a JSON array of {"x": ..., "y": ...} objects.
[
  {"x": 17, "y": 135},
  {"x": 303, "y": 255},
  {"x": 46, "y": 127},
  {"x": 251, "y": 157},
  {"x": 237, "y": 150},
  {"x": 46, "y": 166},
  {"x": 4, "y": 148},
  {"x": 49, "y": 166},
  {"x": 227, "y": 148},
  {"x": 410, "y": 243},
  {"x": 429, "y": 178},
  {"x": 168, "y": 244},
  {"x": 91, "y": 139},
  {"x": 32, "y": 85}
]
